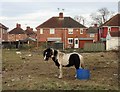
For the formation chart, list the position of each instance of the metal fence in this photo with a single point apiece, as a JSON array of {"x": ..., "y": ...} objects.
[{"x": 94, "y": 47}]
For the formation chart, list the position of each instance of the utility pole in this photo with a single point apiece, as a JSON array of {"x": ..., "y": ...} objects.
[{"x": 1, "y": 56}]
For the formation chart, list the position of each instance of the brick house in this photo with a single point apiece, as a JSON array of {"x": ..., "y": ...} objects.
[
  {"x": 30, "y": 33},
  {"x": 112, "y": 25},
  {"x": 107, "y": 31},
  {"x": 17, "y": 34},
  {"x": 92, "y": 32},
  {"x": 61, "y": 29},
  {"x": 3, "y": 32}
]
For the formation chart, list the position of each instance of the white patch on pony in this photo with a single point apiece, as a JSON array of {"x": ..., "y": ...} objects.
[
  {"x": 45, "y": 56},
  {"x": 63, "y": 59},
  {"x": 53, "y": 52}
]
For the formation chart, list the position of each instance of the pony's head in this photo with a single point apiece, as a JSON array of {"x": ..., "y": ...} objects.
[{"x": 48, "y": 53}]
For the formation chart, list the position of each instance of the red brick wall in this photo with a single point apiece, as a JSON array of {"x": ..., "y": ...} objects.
[
  {"x": 46, "y": 33},
  {"x": 4, "y": 34},
  {"x": 76, "y": 34},
  {"x": 61, "y": 33},
  {"x": 95, "y": 38},
  {"x": 16, "y": 37}
]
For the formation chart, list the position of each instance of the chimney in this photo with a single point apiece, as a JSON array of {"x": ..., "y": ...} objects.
[
  {"x": 60, "y": 15},
  {"x": 18, "y": 25},
  {"x": 95, "y": 25}
]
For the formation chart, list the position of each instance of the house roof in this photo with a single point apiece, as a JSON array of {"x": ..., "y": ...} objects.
[
  {"x": 17, "y": 31},
  {"x": 3, "y": 26},
  {"x": 114, "y": 21},
  {"x": 115, "y": 34},
  {"x": 29, "y": 31},
  {"x": 92, "y": 30},
  {"x": 57, "y": 22}
]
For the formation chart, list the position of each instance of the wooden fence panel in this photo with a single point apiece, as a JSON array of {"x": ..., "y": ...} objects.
[
  {"x": 94, "y": 47},
  {"x": 55, "y": 45}
]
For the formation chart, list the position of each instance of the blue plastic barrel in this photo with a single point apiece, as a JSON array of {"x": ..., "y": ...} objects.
[{"x": 83, "y": 74}]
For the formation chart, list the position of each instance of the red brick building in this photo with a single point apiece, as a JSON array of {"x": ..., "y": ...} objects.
[
  {"x": 17, "y": 34},
  {"x": 30, "y": 33},
  {"x": 62, "y": 29},
  {"x": 3, "y": 32},
  {"x": 112, "y": 25},
  {"x": 92, "y": 32}
]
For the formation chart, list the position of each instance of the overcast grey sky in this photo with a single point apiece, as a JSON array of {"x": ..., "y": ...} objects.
[{"x": 33, "y": 12}]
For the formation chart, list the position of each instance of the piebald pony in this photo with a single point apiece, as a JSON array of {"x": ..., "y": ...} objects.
[{"x": 64, "y": 60}]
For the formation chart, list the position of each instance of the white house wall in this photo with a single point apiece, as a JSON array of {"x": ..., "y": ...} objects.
[{"x": 113, "y": 43}]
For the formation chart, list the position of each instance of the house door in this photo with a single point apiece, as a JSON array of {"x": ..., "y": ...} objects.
[{"x": 76, "y": 43}]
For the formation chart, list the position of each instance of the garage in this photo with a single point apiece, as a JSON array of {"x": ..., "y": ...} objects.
[{"x": 82, "y": 41}]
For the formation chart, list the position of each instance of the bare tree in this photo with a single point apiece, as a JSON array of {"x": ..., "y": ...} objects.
[
  {"x": 96, "y": 18},
  {"x": 80, "y": 19},
  {"x": 102, "y": 15}
]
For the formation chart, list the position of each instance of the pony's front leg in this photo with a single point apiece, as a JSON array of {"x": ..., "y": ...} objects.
[{"x": 61, "y": 72}]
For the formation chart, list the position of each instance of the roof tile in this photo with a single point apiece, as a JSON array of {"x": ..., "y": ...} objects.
[
  {"x": 17, "y": 31},
  {"x": 57, "y": 22},
  {"x": 114, "y": 21}
]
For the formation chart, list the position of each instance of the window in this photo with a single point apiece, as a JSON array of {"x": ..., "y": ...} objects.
[
  {"x": 3, "y": 31},
  {"x": 92, "y": 35},
  {"x": 76, "y": 41},
  {"x": 52, "y": 31},
  {"x": 70, "y": 31},
  {"x": 70, "y": 40},
  {"x": 41, "y": 31},
  {"x": 81, "y": 31}
]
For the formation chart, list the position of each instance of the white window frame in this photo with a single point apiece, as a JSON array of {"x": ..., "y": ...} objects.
[
  {"x": 109, "y": 29},
  {"x": 70, "y": 31},
  {"x": 41, "y": 31},
  {"x": 69, "y": 42},
  {"x": 81, "y": 30},
  {"x": 92, "y": 35},
  {"x": 52, "y": 31},
  {"x": 3, "y": 31}
]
